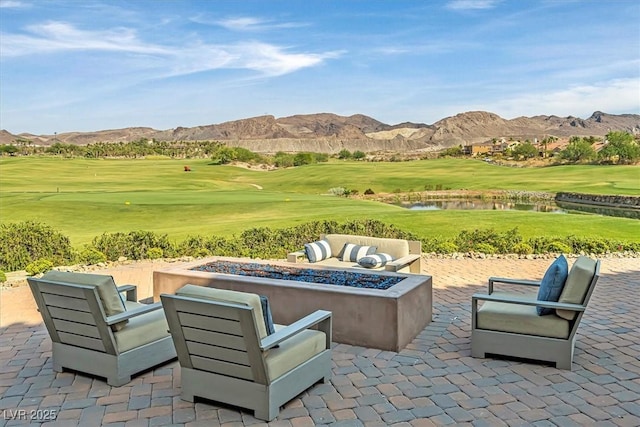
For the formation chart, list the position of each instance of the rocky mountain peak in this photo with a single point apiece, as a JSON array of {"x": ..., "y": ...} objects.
[{"x": 330, "y": 133}]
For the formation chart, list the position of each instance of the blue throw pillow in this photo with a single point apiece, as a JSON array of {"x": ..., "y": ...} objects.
[
  {"x": 317, "y": 251},
  {"x": 375, "y": 260},
  {"x": 266, "y": 314},
  {"x": 552, "y": 283}
]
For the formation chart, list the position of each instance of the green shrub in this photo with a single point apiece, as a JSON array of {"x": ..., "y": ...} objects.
[
  {"x": 576, "y": 245},
  {"x": 344, "y": 154},
  {"x": 283, "y": 160},
  {"x": 503, "y": 243},
  {"x": 358, "y": 155},
  {"x": 3, "y": 276},
  {"x": 446, "y": 247},
  {"x": 199, "y": 246},
  {"x": 91, "y": 256},
  {"x": 154, "y": 253},
  {"x": 590, "y": 245},
  {"x": 539, "y": 244},
  {"x": 201, "y": 253},
  {"x": 628, "y": 246},
  {"x": 522, "y": 249},
  {"x": 24, "y": 242},
  {"x": 132, "y": 245},
  {"x": 452, "y": 152},
  {"x": 559, "y": 247},
  {"x": 485, "y": 248},
  {"x": 303, "y": 158},
  {"x": 38, "y": 266}
]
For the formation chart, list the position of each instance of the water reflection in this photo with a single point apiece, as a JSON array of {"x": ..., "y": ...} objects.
[{"x": 472, "y": 204}]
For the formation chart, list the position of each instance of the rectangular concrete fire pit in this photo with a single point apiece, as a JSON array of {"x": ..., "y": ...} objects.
[{"x": 386, "y": 319}]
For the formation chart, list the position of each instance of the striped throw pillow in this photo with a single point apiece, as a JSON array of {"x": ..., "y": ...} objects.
[
  {"x": 375, "y": 260},
  {"x": 352, "y": 253},
  {"x": 317, "y": 251}
]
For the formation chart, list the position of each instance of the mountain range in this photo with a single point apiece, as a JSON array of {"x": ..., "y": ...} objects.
[{"x": 330, "y": 133}]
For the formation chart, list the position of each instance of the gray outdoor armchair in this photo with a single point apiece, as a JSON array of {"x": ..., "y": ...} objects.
[
  {"x": 508, "y": 324},
  {"x": 94, "y": 331},
  {"x": 226, "y": 355}
]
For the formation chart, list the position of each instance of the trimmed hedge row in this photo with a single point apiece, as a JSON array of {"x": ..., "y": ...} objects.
[{"x": 38, "y": 247}]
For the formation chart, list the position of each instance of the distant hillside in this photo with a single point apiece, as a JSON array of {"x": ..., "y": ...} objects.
[{"x": 330, "y": 133}]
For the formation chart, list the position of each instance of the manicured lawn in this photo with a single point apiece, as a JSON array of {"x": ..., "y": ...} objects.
[{"x": 85, "y": 198}]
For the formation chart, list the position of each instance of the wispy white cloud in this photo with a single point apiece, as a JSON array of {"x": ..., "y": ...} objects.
[
  {"x": 12, "y": 4},
  {"x": 246, "y": 23},
  {"x": 266, "y": 59},
  {"x": 241, "y": 24},
  {"x": 613, "y": 96},
  {"x": 472, "y": 4},
  {"x": 431, "y": 47},
  {"x": 60, "y": 36},
  {"x": 274, "y": 60}
]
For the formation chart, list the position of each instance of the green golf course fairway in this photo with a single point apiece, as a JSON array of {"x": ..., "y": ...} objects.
[{"x": 84, "y": 198}]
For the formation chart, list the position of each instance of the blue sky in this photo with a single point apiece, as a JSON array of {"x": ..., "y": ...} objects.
[{"x": 93, "y": 65}]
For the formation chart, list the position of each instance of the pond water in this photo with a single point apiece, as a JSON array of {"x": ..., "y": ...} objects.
[{"x": 477, "y": 204}]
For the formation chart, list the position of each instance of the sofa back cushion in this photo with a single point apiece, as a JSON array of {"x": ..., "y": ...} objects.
[
  {"x": 107, "y": 290},
  {"x": 577, "y": 285},
  {"x": 397, "y": 248},
  {"x": 111, "y": 299}
]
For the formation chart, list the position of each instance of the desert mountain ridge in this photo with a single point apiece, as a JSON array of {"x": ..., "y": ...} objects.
[{"x": 330, "y": 133}]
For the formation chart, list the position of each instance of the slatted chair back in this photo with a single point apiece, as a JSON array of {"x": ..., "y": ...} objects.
[
  {"x": 73, "y": 315},
  {"x": 217, "y": 337}
]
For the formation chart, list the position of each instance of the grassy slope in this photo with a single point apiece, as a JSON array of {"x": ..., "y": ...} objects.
[{"x": 84, "y": 198}]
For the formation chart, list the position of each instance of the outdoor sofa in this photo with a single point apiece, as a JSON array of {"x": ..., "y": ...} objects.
[{"x": 364, "y": 252}]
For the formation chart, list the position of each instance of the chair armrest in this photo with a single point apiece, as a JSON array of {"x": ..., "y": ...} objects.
[
  {"x": 116, "y": 318},
  {"x": 321, "y": 318},
  {"x": 508, "y": 281},
  {"x": 293, "y": 256},
  {"x": 402, "y": 262},
  {"x": 131, "y": 290},
  {"x": 527, "y": 301}
]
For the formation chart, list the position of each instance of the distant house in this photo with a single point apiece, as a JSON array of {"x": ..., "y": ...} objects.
[
  {"x": 552, "y": 148},
  {"x": 492, "y": 147}
]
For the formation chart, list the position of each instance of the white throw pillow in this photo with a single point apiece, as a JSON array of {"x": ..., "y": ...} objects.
[
  {"x": 352, "y": 253},
  {"x": 375, "y": 260},
  {"x": 317, "y": 251}
]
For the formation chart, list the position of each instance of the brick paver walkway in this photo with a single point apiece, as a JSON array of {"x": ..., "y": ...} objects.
[{"x": 434, "y": 381}]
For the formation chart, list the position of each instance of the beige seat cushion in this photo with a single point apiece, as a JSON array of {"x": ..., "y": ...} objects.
[
  {"x": 520, "y": 319},
  {"x": 335, "y": 262},
  {"x": 293, "y": 352},
  {"x": 577, "y": 285},
  {"x": 397, "y": 248},
  {"x": 141, "y": 330},
  {"x": 223, "y": 295},
  {"x": 107, "y": 290}
]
